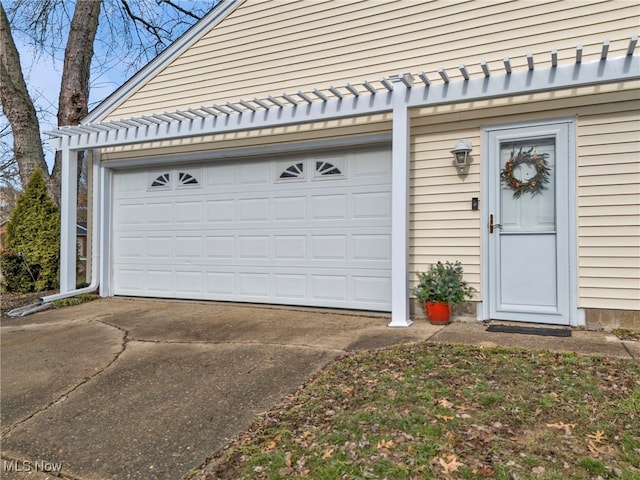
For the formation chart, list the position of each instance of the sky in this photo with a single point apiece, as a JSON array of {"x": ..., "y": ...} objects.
[
  {"x": 43, "y": 71},
  {"x": 42, "y": 74}
]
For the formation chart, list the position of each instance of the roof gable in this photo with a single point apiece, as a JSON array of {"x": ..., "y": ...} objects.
[{"x": 173, "y": 51}]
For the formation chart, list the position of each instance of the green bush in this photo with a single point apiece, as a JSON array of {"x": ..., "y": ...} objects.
[
  {"x": 443, "y": 282},
  {"x": 31, "y": 259},
  {"x": 16, "y": 275}
]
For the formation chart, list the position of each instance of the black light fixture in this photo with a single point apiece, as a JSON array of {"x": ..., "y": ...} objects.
[{"x": 461, "y": 154}]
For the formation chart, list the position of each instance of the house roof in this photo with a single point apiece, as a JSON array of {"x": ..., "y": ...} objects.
[{"x": 184, "y": 42}]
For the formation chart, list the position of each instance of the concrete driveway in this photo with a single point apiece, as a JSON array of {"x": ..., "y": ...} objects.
[{"x": 148, "y": 389}]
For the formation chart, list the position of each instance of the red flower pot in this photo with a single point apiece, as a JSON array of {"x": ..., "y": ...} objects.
[{"x": 438, "y": 313}]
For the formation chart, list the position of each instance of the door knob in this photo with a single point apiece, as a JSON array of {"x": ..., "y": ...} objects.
[{"x": 492, "y": 225}]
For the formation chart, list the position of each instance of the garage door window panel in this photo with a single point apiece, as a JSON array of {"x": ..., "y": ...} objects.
[
  {"x": 188, "y": 179},
  {"x": 161, "y": 182},
  {"x": 333, "y": 169},
  {"x": 292, "y": 172}
]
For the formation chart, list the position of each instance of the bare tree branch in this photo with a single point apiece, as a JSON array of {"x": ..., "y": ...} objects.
[
  {"x": 155, "y": 30},
  {"x": 180, "y": 9},
  {"x": 18, "y": 107},
  {"x": 130, "y": 33}
]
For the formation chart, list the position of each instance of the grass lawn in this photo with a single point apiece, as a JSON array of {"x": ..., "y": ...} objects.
[{"x": 449, "y": 412}]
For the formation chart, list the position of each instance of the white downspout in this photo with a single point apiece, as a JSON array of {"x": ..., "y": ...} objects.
[
  {"x": 95, "y": 244},
  {"x": 45, "y": 302}
]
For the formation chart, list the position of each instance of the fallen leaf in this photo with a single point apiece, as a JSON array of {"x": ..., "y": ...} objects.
[
  {"x": 597, "y": 437},
  {"x": 538, "y": 470},
  {"x": 487, "y": 471},
  {"x": 348, "y": 391},
  {"x": 384, "y": 444},
  {"x": 450, "y": 463},
  {"x": 567, "y": 427},
  {"x": 327, "y": 453},
  {"x": 593, "y": 448},
  {"x": 445, "y": 418},
  {"x": 272, "y": 444},
  {"x": 443, "y": 402}
]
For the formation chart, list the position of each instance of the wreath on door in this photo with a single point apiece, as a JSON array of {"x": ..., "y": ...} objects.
[{"x": 533, "y": 185}]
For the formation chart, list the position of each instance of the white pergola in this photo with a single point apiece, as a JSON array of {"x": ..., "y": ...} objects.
[{"x": 395, "y": 94}]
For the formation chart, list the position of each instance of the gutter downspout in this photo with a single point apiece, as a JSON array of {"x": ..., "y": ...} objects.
[{"x": 45, "y": 302}]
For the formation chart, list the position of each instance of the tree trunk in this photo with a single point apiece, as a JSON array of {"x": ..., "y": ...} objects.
[
  {"x": 18, "y": 107},
  {"x": 73, "y": 103}
]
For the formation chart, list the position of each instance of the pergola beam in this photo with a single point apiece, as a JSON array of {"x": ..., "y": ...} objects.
[
  {"x": 232, "y": 117},
  {"x": 632, "y": 45}
]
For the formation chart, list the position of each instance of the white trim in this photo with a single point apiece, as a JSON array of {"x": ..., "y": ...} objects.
[
  {"x": 252, "y": 152},
  {"x": 68, "y": 218},
  {"x": 105, "y": 199},
  {"x": 576, "y": 316},
  {"x": 482, "y": 311},
  {"x": 400, "y": 160},
  {"x": 177, "y": 48}
]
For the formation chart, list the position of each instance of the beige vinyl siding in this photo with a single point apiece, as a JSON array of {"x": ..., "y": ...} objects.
[
  {"x": 609, "y": 209},
  {"x": 267, "y": 47},
  {"x": 443, "y": 226}
]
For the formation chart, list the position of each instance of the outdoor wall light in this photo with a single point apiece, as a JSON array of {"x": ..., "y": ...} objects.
[{"x": 461, "y": 154}]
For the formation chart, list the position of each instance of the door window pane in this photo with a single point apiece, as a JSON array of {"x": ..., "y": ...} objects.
[{"x": 527, "y": 186}]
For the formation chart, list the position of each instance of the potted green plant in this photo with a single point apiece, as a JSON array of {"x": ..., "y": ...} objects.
[{"x": 440, "y": 288}]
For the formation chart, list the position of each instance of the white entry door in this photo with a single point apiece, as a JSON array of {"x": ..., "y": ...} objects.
[{"x": 528, "y": 223}]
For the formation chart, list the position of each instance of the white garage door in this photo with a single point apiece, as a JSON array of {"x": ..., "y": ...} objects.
[{"x": 312, "y": 230}]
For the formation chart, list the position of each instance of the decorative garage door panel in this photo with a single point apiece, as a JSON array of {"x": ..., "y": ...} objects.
[{"x": 312, "y": 230}]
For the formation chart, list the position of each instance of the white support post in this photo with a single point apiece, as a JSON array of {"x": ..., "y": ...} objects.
[
  {"x": 400, "y": 209},
  {"x": 68, "y": 218},
  {"x": 104, "y": 252}
]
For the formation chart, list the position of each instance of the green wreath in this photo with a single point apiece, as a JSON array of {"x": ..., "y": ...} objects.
[{"x": 534, "y": 185}]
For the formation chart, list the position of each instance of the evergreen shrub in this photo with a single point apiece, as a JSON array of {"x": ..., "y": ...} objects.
[{"x": 31, "y": 256}]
